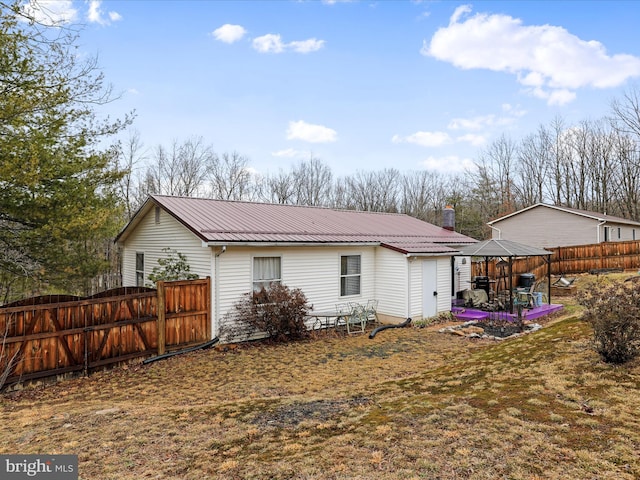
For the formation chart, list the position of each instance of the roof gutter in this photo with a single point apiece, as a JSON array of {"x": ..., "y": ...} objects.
[
  {"x": 290, "y": 244},
  {"x": 432, "y": 254}
]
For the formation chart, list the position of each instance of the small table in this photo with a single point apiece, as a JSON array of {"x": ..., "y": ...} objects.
[{"x": 326, "y": 319}]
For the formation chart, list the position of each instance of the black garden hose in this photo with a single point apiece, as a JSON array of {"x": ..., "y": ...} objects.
[
  {"x": 404, "y": 324},
  {"x": 210, "y": 343}
]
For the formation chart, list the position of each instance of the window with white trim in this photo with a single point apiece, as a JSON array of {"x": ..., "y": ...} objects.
[
  {"x": 139, "y": 269},
  {"x": 350, "y": 268},
  {"x": 266, "y": 271}
]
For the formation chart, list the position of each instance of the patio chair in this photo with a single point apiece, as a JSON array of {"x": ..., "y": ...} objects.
[
  {"x": 371, "y": 311},
  {"x": 343, "y": 311},
  {"x": 357, "y": 320},
  {"x": 524, "y": 297}
]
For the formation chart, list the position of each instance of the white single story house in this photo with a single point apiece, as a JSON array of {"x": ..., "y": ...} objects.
[
  {"x": 549, "y": 226},
  {"x": 333, "y": 256}
]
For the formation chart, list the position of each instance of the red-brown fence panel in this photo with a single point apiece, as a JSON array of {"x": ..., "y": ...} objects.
[{"x": 39, "y": 339}]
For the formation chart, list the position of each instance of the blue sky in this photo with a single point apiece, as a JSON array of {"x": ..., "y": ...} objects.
[{"x": 361, "y": 85}]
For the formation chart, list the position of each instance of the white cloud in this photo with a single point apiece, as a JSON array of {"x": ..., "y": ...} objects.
[
  {"x": 269, "y": 43},
  {"x": 272, "y": 43},
  {"x": 308, "y": 132},
  {"x": 290, "y": 153},
  {"x": 424, "y": 139},
  {"x": 228, "y": 33},
  {"x": 50, "y": 12},
  {"x": 473, "y": 139},
  {"x": 551, "y": 62},
  {"x": 96, "y": 15},
  {"x": 306, "y": 46},
  {"x": 481, "y": 122},
  {"x": 473, "y": 123},
  {"x": 448, "y": 164}
]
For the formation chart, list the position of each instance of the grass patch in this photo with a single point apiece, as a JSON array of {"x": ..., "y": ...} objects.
[{"x": 408, "y": 404}]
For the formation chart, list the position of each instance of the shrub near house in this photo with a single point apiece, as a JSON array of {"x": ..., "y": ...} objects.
[{"x": 275, "y": 310}]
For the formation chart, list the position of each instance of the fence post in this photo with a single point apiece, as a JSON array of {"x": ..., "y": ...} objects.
[
  {"x": 208, "y": 308},
  {"x": 161, "y": 317}
]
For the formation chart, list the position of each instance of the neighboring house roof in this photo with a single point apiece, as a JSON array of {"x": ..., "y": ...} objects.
[
  {"x": 600, "y": 217},
  {"x": 218, "y": 222}
]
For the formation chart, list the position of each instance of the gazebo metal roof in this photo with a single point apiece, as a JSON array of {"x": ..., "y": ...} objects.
[
  {"x": 497, "y": 248},
  {"x": 501, "y": 248}
]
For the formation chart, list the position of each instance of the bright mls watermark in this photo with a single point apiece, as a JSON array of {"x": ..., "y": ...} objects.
[{"x": 50, "y": 467}]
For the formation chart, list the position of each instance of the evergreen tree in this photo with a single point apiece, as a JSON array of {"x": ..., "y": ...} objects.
[{"x": 57, "y": 183}]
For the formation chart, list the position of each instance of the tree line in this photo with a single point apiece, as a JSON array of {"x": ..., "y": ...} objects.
[
  {"x": 593, "y": 165},
  {"x": 67, "y": 185}
]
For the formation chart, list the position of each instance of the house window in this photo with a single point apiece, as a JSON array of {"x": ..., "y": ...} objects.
[
  {"x": 349, "y": 275},
  {"x": 139, "y": 269},
  {"x": 619, "y": 233},
  {"x": 266, "y": 271}
]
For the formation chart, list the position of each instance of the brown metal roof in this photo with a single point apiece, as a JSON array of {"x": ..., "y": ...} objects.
[{"x": 220, "y": 221}]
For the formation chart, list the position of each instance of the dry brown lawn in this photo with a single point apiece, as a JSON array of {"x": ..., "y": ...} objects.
[{"x": 409, "y": 404}]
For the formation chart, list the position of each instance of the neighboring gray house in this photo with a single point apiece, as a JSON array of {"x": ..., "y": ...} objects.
[
  {"x": 548, "y": 226},
  {"x": 333, "y": 256}
]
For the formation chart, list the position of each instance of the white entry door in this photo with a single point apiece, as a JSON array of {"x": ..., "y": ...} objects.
[{"x": 429, "y": 288}]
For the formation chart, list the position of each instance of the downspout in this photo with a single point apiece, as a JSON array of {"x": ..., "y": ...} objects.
[
  {"x": 408, "y": 311},
  {"x": 598, "y": 230},
  {"x": 497, "y": 230},
  {"x": 216, "y": 288}
]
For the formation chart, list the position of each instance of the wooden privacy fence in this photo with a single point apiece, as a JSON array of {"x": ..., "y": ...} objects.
[
  {"x": 570, "y": 260},
  {"x": 41, "y": 340}
]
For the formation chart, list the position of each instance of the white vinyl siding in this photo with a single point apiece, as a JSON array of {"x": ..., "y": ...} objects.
[
  {"x": 444, "y": 284},
  {"x": 315, "y": 270},
  {"x": 416, "y": 287},
  {"x": 391, "y": 283},
  {"x": 462, "y": 274},
  {"x": 546, "y": 227},
  {"x": 150, "y": 237},
  {"x": 384, "y": 273}
]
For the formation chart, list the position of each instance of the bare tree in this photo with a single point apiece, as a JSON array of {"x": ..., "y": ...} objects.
[
  {"x": 559, "y": 159},
  {"x": 9, "y": 357},
  {"x": 374, "y": 191},
  {"x": 193, "y": 158},
  {"x": 423, "y": 195},
  {"x": 278, "y": 188},
  {"x": 626, "y": 113},
  {"x": 229, "y": 176},
  {"x": 532, "y": 167},
  {"x": 130, "y": 154},
  {"x": 179, "y": 170},
  {"x": 628, "y": 185},
  {"x": 499, "y": 161},
  {"x": 312, "y": 181}
]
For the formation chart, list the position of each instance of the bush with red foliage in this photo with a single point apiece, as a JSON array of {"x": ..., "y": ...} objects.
[{"x": 277, "y": 312}]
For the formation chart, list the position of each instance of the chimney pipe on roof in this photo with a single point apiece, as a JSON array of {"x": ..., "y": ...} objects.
[{"x": 449, "y": 218}]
